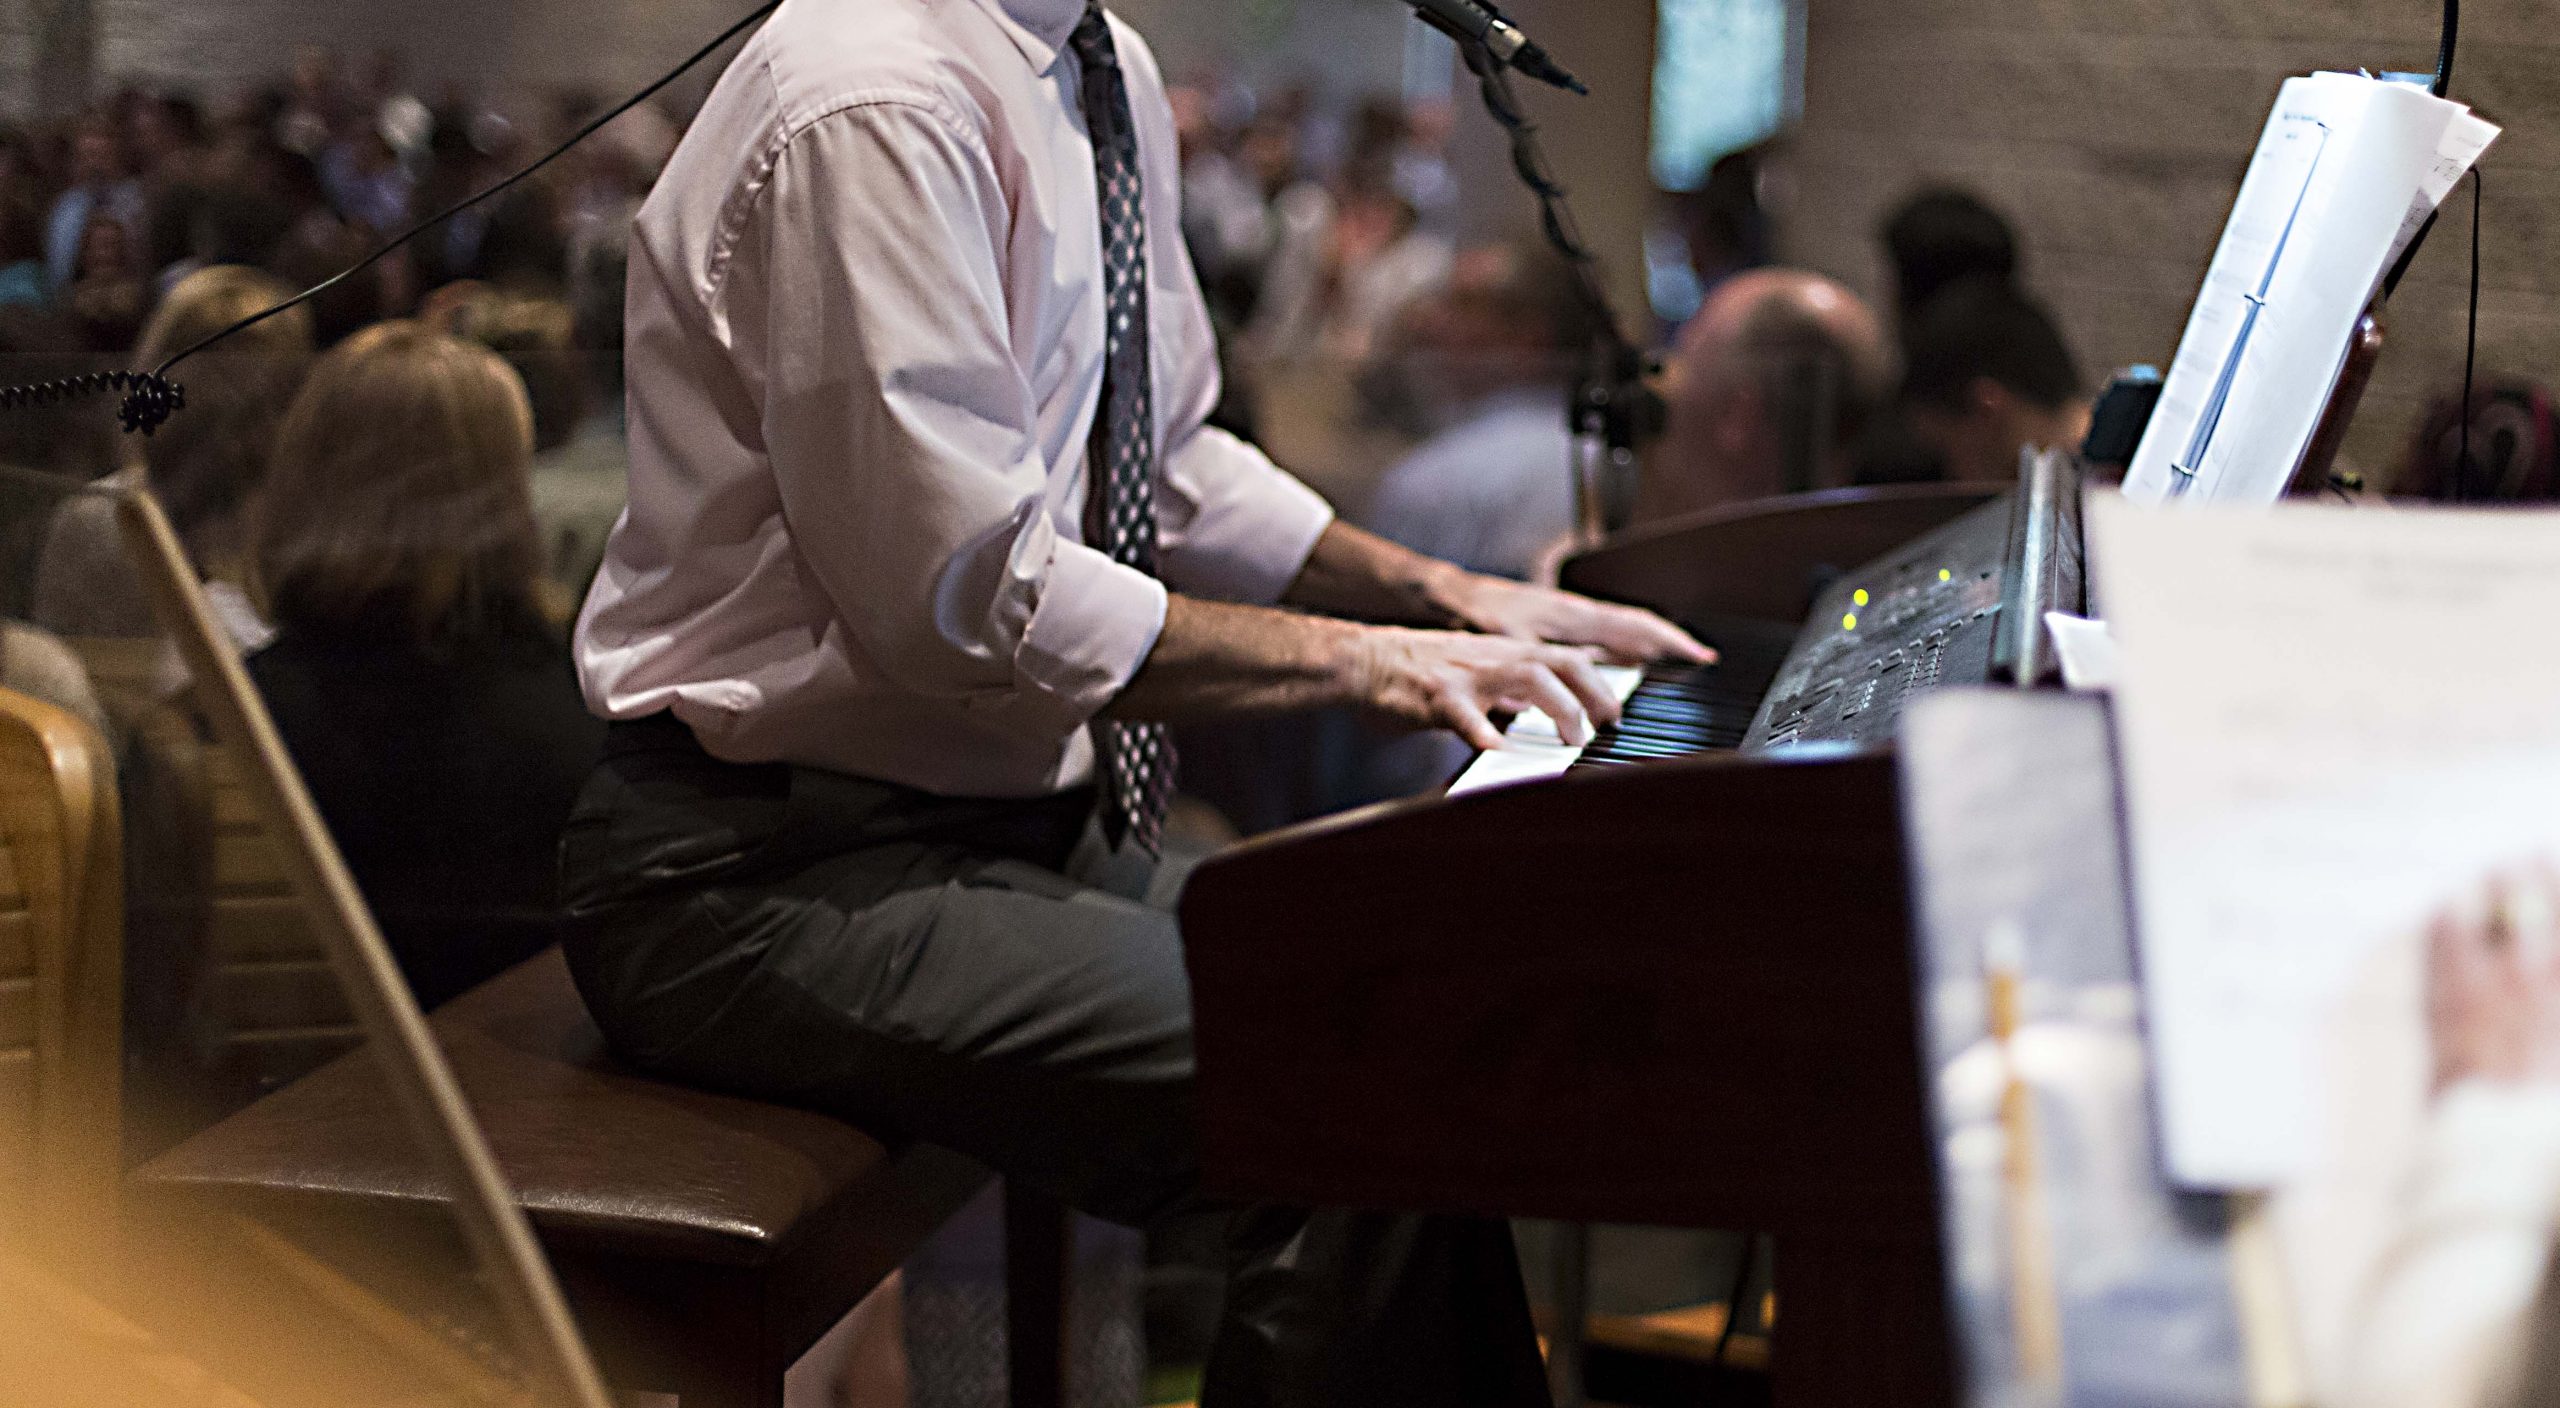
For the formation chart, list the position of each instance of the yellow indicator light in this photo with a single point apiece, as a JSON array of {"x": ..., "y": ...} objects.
[
  {"x": 1860, "y": 596},
  {"x": 1945, "y": 576},
  {"x": 1849, "y": 622}
]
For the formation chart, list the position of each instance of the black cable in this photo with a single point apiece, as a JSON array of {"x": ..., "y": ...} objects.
[
  {"x": 2470, "y": 352},
  {"x": 148, "y": 403},
  {"x": 1530, "y": 161},
  {"x": 151, "y": 398},
  {"x": 2443, "y": 85}
]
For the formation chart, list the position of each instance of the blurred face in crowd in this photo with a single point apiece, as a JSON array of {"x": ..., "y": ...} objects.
[
  {"x": 95, "y": 158},
  {"x": 106, "y": 250},
  {"x": 315, "y": 72},
  {"x": 1431, "y": 124},
  {"x": 1271, "y": 153},
  {"x": 1729, "y": 387},
  {"x": 1494, "y": 326},
  {"x": 155, "y": 132},
  {"x": 1194, "y": 130},
  {"x": 1368, "y": 224}
]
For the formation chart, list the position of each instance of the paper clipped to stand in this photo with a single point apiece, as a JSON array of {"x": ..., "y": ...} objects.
[
  {"x": 2345, "y": 175},
  {"x": 2087, "y": 653},
  {"x": 2332, "y": 724}
]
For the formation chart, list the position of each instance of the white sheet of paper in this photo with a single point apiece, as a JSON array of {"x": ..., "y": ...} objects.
[
  {"x": 2332, "y": 723},
  {"x": 2342, "y": 161},
  {"x": 2466, "y": 137},
  {"x": 2086, "y": 651}
]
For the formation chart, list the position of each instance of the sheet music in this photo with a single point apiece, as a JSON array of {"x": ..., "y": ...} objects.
[
  {"x": 2332, "y": 722},
  {"x": 2466, "y": 137},
  {"x": 2324, "y": 209}
]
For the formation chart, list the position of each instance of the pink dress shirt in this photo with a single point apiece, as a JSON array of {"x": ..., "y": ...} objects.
[{"x": 864, "y": 352}]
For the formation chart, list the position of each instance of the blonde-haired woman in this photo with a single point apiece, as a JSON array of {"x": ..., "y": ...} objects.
[
  {"x": 205, "y": 464},
  {"x": 417, "y": 672}
]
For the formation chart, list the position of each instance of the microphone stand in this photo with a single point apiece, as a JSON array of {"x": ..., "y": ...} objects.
[{"x": 1614, "y": 411}]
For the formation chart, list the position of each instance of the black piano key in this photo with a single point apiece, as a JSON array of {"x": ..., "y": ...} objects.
[
  {"x": 1637, "y": 746},
  {"x": 1685, "y": 710},
  {"x": 1680, "y": 711}
]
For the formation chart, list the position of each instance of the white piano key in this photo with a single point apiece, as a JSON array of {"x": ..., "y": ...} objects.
[
  {"x": 1532, "y": 748},
  {"x": 1514, "y": 763}
]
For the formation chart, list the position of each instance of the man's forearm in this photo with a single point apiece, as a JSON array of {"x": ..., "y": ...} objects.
[
  {"x": 1218, "y": 660},
  {"x": 1353, "y": 572}
]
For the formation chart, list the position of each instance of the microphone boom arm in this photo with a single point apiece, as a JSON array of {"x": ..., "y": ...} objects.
[{"x": 1614, "y": 410}]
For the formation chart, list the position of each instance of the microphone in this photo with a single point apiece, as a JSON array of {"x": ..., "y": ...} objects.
[{"x": 1470, "y": 22}]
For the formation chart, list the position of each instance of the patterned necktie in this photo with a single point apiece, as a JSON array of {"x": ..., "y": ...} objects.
[{"x": 1120, "y": 460}]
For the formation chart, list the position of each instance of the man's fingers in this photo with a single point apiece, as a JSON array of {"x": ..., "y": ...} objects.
[
  {"x": 1467, "y": 720},
  {"x": 1671, "y": 642},
  {"x": 1633, "y": 637},
  {"x": 1582, "y": 677},
  {"x": 1559, "y": 703}
]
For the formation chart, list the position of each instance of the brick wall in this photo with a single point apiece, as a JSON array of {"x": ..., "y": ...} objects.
[
  {"x": 1350, "y": 46},
  {"x": 2114, "y": 132}
]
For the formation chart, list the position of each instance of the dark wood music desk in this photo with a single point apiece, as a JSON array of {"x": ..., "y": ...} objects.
[{"x": 1678, "y": 995}]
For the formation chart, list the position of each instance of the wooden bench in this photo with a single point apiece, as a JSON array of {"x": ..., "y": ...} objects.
[
  {"x": 61, "y": 901},
  {"x": 704, "y": 1242}
]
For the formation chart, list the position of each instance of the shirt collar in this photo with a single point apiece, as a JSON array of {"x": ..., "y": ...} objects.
[{"x": 1039, "y": 28}]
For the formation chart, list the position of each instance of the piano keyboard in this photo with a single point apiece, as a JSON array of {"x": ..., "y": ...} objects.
[{"x": 1667, "y": 711}]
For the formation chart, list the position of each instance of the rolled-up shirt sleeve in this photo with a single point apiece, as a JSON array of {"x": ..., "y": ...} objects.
[
  {"x": 901, "y": 432},
  {"x": 1234, "y": 525}
]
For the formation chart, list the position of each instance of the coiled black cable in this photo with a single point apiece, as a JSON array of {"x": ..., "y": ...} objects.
[{"x": 151, "y": 398}]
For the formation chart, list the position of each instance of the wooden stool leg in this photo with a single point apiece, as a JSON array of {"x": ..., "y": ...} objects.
[{"x": 1035, "y": 1273}]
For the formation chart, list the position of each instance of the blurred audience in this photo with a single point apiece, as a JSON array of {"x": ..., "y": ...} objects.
[
  {"x": 1343, "y": 274},
  {"x": 108, "y": 296},
  {"x": 1986, "y": 376},
  {"x": 63, "y": 440},
  {"x": 1703, "y": 237},
  {"x": 417, "y": 673},
  {"x": 23, "y": 281},
  {"x": 205, "y": 464},
  {"x": 1489, "y": 359},
  {"x": 100, "y": 189},
  {"x": 1944, "y": 235},
  {"x": 35, "y": 664},
  {"x": 104, "y": 212},
  {"x": 1770, "y": 389},
  {"x": 580, "y": 465}
]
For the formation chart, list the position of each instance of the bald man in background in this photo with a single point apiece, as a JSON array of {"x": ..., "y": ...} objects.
[{"x": 1770, "y": 389}]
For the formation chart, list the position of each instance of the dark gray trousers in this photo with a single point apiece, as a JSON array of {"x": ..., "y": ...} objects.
[{"x": 927, "y": 968}]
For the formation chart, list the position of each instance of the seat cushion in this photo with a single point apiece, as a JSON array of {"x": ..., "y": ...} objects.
[{"x": 602, "y": 1159}]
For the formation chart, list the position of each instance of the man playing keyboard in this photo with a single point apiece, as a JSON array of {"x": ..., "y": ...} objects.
[{"x": 927, "y": 542}]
